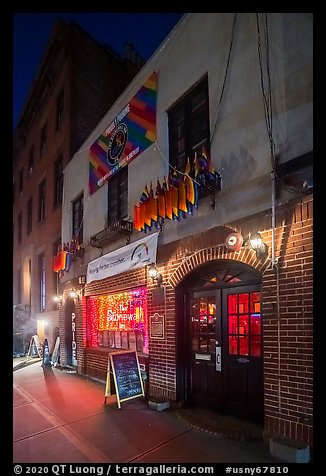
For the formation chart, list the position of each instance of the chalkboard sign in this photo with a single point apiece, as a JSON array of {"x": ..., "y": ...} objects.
[{"x": 127, "y": 375}]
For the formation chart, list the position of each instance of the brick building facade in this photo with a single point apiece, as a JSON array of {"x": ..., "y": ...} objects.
[
  {"x": 76, "y": 82},
  {"x": 237, "y": 320}
]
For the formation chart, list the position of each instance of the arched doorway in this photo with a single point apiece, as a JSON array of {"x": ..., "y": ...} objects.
[{"x": 219, "y": 328}]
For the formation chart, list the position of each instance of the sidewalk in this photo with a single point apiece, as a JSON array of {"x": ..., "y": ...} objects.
[{"x": 61, "y": 417}]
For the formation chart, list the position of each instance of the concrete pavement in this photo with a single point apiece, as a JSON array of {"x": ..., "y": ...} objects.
[{"x": 61, "y": 417}]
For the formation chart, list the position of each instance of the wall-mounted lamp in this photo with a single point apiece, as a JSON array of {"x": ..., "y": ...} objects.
[
  {"x": 256, "y": 243},
  {"x": 154, "y": 274},
  {"x": 57, "y": 299},
  {"x": 73, "y": 294}
]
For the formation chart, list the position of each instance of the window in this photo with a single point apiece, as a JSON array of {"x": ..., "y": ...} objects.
[
  {"x": 19, "y": 286},
  {"x": 41, "y": 261},
  {"x": 20, "y": 228},
  {"x": 118, "y": 197},
  {"x": 244, "y": 324},
  {"x": 59, "y": 113},
  {"x": 189, "y": 126},
  {"x": 29, "y": 215},
  {"x": 41, "y": 201},
  {"x": 30, "y": 281},
  {"x": 118, "y": 321},
  {"x": 31, "y": 161},
  {"x": 77, "y": 218},
  {"x": 56, "y": 248},
  {"x": 21, "y": 180},
  {"x": 58, "y": 181},
  {"x": 44, "y": 133}
]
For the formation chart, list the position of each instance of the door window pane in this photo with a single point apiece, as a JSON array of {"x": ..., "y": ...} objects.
[
  {"x": 232, "y": 303},
  {"x": 233, "y": 324},
  {"x": 243, "y": 327},
  {"x": 255, "y": 346},
  {"x": 233, "y": 345},
  {"x": 255, "y": 302},
  {"x": 243, "y": 303},
  {"x": 195, "y": 343},
  {"x": 255, "y": 324},
  {"x": 203, "y": 342},
  {"x": 243, "y": 345}
]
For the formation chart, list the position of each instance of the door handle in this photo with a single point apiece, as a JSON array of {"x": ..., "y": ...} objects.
[{"x": 218, "y": 362}]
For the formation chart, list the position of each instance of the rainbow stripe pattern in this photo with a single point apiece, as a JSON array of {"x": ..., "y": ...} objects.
[{"x": 138, "y": 122}]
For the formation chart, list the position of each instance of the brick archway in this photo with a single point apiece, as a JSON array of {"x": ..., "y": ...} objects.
[{"x": 246, "y": 256}]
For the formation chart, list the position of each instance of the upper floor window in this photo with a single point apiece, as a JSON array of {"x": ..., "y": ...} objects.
[
  {"x": 58, "y": 181},
  {"x": 77, "y": 218},
  {"x": 118, "y": 196},
  {"x": 19, "y": 286},
  {"x": 20, "y": 228},
  {"x": 59, "y": 111},
  {"x": 56, "y": 247},
  {"x": 21, "y": 180},
  {"x": 31, "y": 161},
  {"x": 41, "y": 201},
  {"x": 189, "y": 126},
  {"x": 44, "y": 133},
  {"x": 29, "y": 215},
  {"x": 41, "y": 264}
]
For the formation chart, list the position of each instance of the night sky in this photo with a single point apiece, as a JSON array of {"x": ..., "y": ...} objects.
[{"x": 31, "y": 32}]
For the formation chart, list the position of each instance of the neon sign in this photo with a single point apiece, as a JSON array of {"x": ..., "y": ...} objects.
[{"x": 125, "y": 311}]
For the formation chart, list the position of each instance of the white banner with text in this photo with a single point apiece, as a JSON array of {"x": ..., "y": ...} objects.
[{"x": 133, "y": 256}]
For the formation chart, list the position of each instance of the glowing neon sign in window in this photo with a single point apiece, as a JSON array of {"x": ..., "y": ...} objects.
[{"x": 118, "y": 320}]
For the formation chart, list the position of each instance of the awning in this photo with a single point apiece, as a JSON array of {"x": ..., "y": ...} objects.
[{"x": 133, "y": 256}]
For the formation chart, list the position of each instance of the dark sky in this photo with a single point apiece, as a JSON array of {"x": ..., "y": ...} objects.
[{"x": 32, "y": 30}]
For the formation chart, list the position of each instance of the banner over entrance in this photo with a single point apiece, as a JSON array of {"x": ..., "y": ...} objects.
[
  {"x": 133, "y": 256},
  {"x": 131, "y": 132}
]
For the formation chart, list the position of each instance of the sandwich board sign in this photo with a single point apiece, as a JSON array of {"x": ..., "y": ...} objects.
[
  {"x": 35, "y": 347},
  {"x": 127, "y": 376}
]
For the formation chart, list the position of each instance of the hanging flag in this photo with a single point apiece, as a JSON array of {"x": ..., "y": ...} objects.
[
  {"x": 161, "y": 200},
  {"x": 153, "y": 206},
  {"x": 160, "y": 194},
  {"x": 168, "y": 200},
  {"x": 174, "y": 197},
  {"x": 182, "y": 199},
  {"x": 131, "y": 132},
  {"x": 137, "y": 218},
  {"x": 144, "y": 199},
  {"x": 69, "y": 260},
  {"x": 195, "y": 173},
  {"x": 59, "y": 261},
  {"x": 196, "y": 165},
  {"x": 190, "y": 194},
  {"x": 142, "y": 210}
]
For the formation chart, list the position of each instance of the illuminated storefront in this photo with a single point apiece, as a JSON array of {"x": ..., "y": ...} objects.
[{"x": 118, "y": 321}]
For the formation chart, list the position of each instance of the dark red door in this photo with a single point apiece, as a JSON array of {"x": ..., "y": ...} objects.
[
  {"x": 242, "y": 353},
  {"x": 205, "y": 323},
  {"x": 225, "y": 370}
]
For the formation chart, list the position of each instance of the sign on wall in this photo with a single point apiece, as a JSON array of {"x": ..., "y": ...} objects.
[
  {"x": 73, "y": 342},
  {"x": 131, "y": 132},
  {"x": 133, "y": 256},
  {"x": 156, "y": 326}
]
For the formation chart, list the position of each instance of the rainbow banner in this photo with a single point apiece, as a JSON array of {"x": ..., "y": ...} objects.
[{"x": 131, "y": 132}]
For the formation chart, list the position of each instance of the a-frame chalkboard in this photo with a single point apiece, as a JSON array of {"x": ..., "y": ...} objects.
[{"x": 127, "y": 375}]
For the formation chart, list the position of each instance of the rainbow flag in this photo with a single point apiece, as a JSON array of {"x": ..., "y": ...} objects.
[{"x": 128, "y": 135}]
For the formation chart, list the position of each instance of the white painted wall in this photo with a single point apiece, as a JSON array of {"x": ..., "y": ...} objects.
[{"x": 199, "y": 45}]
